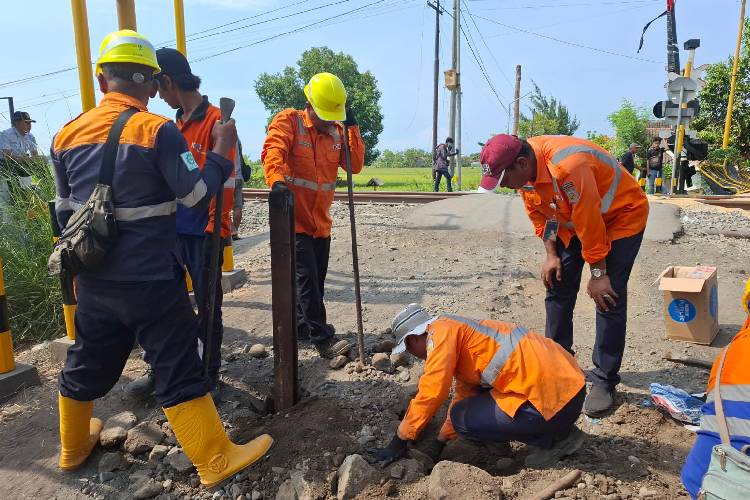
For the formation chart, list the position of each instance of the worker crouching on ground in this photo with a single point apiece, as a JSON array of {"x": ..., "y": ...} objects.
[
  {"x": 586, "y": 208},
  {"x": 512, "y": 384},
  {"x": 139, "y": 294},
  {"x": 303, "y": 152},
  {"x": 196, "y": 117},
  {"x": 733, "y": 421}
]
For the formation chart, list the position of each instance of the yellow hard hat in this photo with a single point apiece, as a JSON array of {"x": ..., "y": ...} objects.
[
  {"x": 127, "y": 46},
  {"x": 746, "y": 297},
  {"x": 327, "y": 96}
]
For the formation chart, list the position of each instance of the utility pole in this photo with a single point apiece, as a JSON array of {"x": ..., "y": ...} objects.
[
  {"x": 733, "y": 81},
  {"x": 438, "y": 10},
  {"x": 517, "y": 103},
  {"x": 453, "y": 90}
]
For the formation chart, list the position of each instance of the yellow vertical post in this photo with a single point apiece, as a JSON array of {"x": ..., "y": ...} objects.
[
  {"x": 733, "y": 81},
  {"x": 7, "y": 362},
  {"x": 66, "y": 281},
  {"x": 126, "y": 15},
  {"x": 228, "y": 265},
  {"x": 83, "y": 53},
  {"x": 179, "y": 26}
]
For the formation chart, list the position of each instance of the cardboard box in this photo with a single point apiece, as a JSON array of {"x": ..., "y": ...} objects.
[{"x": 691, "y": 303}]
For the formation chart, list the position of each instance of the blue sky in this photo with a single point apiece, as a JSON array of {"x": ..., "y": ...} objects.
[{"x": 393, "y": 39}]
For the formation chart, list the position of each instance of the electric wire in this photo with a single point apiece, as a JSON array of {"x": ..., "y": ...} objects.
[{"x": 481, "y": 36}]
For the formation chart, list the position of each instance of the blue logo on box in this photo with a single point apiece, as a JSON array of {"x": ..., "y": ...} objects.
[
  {"x": 682, "y": 311},
  {"x": 713, "y": 305}
]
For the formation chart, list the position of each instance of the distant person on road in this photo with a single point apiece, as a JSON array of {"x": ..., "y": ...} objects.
[
  {"x": 303, "y": 151},
  {"x": 440, "y": 163},
  {"x": 17, "y": 147},
  {"x": 586, "y": 208},
  {"x": 734, "y": 423},
  {"x": 628, "y": 159},
  {"x": 511, "y": 384},
  {"x": 655, "y": 164}
]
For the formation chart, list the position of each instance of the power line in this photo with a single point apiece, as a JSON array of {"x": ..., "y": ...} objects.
[
  {"x": 289, "y": 32},
  {"x": 578, "y": 4},
  {"x": 481, "y": 36},
  {"x": 567, "y": 42}
]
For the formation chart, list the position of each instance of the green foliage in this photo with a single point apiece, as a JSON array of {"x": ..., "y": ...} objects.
[
  {"x": 601, "y": 140},
  {"x": 34, "y": 298},
  {"x": 548, "y": 117},
  {"x": 630, "y": 124},
  {"x": 284, "y": 90},
  {"x": 411, "y": 179},
  {"x": 714, "y": 99},
  {"x": 412, "y": 157}
]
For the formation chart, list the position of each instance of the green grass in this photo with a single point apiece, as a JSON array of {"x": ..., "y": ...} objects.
[
  {"x": 411, "y": 179},
  {"x": 34, "y": 298}
]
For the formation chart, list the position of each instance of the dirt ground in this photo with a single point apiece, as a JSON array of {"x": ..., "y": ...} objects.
[{"x": 635, "y": 452}]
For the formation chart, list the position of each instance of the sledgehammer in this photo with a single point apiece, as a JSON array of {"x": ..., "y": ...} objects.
[
  {"x": 226, "y": 106},
  {"x": 355, "y": 255}
]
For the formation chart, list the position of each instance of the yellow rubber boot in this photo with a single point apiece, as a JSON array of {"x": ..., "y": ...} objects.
[
  {"x": 79, "y": 433},
  {"x": 199, "y": 431}
]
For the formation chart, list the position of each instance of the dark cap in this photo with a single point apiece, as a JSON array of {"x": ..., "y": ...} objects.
[
  {"x": 22, "y": 116},
  {"x": 172, "y": 62},
  {"x": 497, "y": 155}
]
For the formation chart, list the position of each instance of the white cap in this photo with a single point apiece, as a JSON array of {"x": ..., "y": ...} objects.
[{"x": 413, "y": 320}]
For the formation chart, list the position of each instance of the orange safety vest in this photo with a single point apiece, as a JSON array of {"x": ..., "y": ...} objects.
[
  {"x": 591, "y": 194},
  {"x": 517, "y": 365},
  {"x": 294, "y": 152}
]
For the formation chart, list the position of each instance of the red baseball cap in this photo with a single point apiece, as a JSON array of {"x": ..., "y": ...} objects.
[{"x": 497, "y": 154}]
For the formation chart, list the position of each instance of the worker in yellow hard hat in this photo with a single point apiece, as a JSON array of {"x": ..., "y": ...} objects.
[
  {"x": 139, "y": 292},
  {"x": 303, "y": 152}
]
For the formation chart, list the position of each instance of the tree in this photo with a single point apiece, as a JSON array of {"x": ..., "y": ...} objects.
[
  {"x": 284, "y": 90},
  {"x": 548, "y": 117},
  {"x": 630, "y": 124},
  {"x": 409, "y": 158},
  {"x": 713, "y": 100}
]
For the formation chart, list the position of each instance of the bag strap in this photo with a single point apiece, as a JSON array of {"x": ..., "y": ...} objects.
[
  {"x": 107, "y": 170},
  {"x": 723, "y": 428}
]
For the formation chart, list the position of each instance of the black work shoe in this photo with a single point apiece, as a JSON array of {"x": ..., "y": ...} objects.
[
  {"x": 598, "y": 400},
  {"x": 541, "y": 458},
  {"x": 141, "y": 387},
  {"x": 330, "y": 348}
]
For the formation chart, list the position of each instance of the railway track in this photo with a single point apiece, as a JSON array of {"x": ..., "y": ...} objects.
[
  {"x": 387, "y": 197},
  {"x": 742, "y": 202}
]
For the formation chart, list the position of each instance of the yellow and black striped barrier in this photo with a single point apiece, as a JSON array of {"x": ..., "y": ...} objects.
[
  {"x": 66, "y": 282},
  {"x": 13, "y": 377},
  {"x": 7, "y": 362}
]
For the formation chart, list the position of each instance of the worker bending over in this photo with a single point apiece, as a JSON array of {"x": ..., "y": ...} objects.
[
  {"x": 735, "y": 422},
  {"x": 139, "y": 294},
  {"x": 303, "y": 152},
  {"x": 586, "y": 208},
  {"x": 196, "y": 117},
  {"x": 512, "y": 384}
]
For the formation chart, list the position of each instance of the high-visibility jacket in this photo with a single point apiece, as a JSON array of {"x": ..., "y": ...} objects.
[
  {"x": 735, "y": 396},
  {"x": 153, "y": 172},
  {"x": 295, "y": 152},
  {"x": 590, "y": 194},
  {"x": 517, "y": 365},
  {"x": 197, "y": 131}
]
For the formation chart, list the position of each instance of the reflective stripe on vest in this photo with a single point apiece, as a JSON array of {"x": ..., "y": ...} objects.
[
  {"x": 194, "y": 196},
  {"x": 737, "y": 426},
  {"x": 735, "y": 392},
  {"x": 129, "y": 214},
  {"x": 330, "y": 186},
  {"x": 609, "y": 196},
  {"x": 508, "y": 343}
]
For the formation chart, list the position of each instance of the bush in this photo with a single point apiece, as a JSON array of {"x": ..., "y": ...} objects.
[{"x": 34, "y": 297}]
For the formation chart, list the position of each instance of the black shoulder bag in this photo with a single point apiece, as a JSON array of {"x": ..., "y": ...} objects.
[{"x": 92, "y": 229}]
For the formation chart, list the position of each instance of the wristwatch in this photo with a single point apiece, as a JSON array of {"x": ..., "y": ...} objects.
[{"x": 597, "y": 273}]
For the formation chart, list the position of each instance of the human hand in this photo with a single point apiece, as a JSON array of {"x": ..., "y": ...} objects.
[
  {"x": 551, "y": 269},
  {"x": 351, "y": 120},
  {"x": 395, "y": 450},
  {"x": 278, "y": 197},
  {"x": 600, "y": 290},
  {"x": 224, "y": 135}
]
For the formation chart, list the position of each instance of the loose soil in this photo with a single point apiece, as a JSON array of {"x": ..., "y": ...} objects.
[{"x": 635, "y": 452}]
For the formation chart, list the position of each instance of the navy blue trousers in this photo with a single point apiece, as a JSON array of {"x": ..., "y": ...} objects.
[
  {"x": 447, "y": 175},
  {"x": 560, "y": 302},
  {"x": 479, "y": 418},
  {"x": 195, "y": 253},
  {"x": 110, "y": 316},
  {"x": 312, "y": 255}
]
